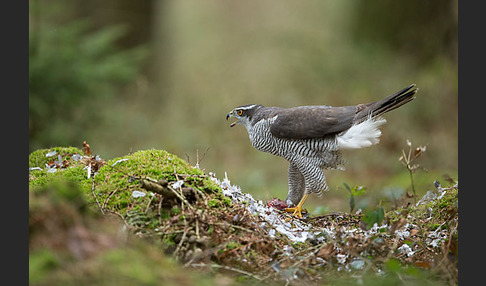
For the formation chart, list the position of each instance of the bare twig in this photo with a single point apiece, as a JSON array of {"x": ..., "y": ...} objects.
[
  {"x": 225, "y": 224},
  {"x": 197, "y": 157},
  {"x": 407, "y": 160},
  {"x": 184, "y": 234},
  {"x": 228, "y": 268},
  {"x": 148, "y": 204},
  {"x": 94, "y": 195},
  {"x": 105, "y": 202},
  {"x": 190, "y": 175},
  {"x": 159, "y": 209},
  {"x": 200, "y": 196},
  {"x": 181, "y": 195}
]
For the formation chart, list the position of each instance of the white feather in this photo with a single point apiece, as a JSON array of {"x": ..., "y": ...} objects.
[{"x": 361, "y": 135}]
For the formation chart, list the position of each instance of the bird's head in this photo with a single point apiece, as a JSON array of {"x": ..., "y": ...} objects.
[{"x": 243, "y": 114}]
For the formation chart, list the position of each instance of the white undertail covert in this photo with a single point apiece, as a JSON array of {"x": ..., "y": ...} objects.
[{"x": 361, "y": 135}]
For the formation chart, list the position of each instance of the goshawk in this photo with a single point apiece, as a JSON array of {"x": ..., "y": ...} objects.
[{"x": 311, "y": 137}]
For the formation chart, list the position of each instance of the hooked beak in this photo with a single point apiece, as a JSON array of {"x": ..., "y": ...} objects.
[{"x": 231, "y": 115}]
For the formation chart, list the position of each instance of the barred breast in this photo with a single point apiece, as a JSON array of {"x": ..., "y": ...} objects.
[{"x": 323, "y": 152}]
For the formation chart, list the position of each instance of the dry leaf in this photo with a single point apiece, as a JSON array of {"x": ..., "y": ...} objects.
[
  {"x": 327, "y": 252},
  {"x": 87, "y": 149}
]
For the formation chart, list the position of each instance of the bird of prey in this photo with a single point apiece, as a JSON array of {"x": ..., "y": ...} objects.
[{"x": 311, "y": 137}]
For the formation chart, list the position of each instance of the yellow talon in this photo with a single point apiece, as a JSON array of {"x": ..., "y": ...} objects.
[{"x": 297, "y": 210}]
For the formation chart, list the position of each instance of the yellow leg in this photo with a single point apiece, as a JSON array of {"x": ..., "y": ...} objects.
[{"x": 298, "y": 208}]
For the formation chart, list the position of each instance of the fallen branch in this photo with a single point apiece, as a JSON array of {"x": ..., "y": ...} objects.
[
  {"x": 163, "y": 188},
  {"x": 159, "y": 187}
]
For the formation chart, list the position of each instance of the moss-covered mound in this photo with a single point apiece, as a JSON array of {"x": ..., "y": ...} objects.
[
  {"x": 138, "y": 181},
  {"x": 85, "y": 214},
  {"x": 151, "y": 194},
  {"x": 56, "y": 163}
]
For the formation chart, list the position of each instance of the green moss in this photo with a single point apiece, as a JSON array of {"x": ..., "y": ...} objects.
[
  {"x": 232, "y": 245},
  {"x": 155, "y": 164},
  {"x": 435, "y": 213},
  {"x": 69, "y": 183},
  {"x": 38, "y": 158},
  {"x": 71, "y": 172},
  {"x": 175, "y": 210},
  {"x": 211, "y": 186},
  {"x": 432, "y": 226},
  {"x": 169, "y": 240},
  {"x": 213, "y": 203},
  {"x": 41, "y": 263},
  {"x": 220, "y": 201},
  {"x": 227, "y": 201}
]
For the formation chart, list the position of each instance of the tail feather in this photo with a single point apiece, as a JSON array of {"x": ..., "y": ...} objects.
[
  {"x": 365, "y": 129},
  {"x": 388, "y": 103}
]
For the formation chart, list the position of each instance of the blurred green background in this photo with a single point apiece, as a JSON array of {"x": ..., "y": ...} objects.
[{"x": 129, "y": 75}]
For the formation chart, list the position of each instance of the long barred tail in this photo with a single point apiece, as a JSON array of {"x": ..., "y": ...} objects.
[
  {"x": 378, "y": 108},
  {"x": 365, "y": 130}
]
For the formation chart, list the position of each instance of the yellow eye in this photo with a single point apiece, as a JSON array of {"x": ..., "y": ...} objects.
[{"x": 239, "y": 112}]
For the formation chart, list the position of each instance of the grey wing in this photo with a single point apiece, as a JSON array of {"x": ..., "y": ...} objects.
[{"x": 307, "y": 122}]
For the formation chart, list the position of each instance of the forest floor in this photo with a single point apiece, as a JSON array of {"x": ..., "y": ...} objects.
[{"x": 151, "y": 218}]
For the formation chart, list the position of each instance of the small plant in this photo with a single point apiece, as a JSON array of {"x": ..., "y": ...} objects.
[
  {"x": 407, "y": 160},
  {"x": 355, "y": 191}
]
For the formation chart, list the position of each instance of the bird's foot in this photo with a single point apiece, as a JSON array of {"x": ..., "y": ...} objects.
[
  {"x": 298, "y": 208},
  {"x": 297, "y": 211}
]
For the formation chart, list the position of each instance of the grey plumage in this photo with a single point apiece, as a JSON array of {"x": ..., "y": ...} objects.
[{"x": 311, "y": 137}]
